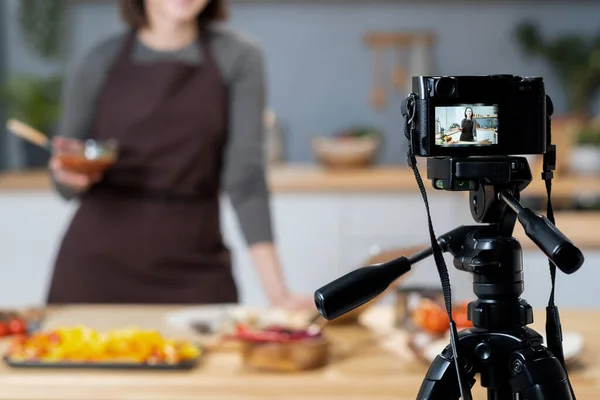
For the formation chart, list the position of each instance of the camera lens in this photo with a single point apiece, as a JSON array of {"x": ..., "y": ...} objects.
[{"x": 445, "y": 87}]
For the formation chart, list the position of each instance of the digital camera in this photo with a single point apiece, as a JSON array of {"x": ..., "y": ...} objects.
[{"x": 492, "y": 115}]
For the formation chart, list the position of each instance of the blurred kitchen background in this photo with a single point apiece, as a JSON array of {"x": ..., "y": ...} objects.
[{"x": 335, "y": 68}]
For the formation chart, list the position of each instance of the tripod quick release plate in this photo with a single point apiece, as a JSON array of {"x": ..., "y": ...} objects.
[{"x": 467, "y": 173}]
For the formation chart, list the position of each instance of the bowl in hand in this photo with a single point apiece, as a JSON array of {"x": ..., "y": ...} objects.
[{"x": 86, "y": 157}]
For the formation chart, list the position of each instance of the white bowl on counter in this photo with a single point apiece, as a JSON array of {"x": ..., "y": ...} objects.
[{"x": 345, "y": 152}]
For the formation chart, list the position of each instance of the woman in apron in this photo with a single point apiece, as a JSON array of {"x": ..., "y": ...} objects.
[
  {"x": 468, "y": 127},
  {"x": 185, "y": 99}
]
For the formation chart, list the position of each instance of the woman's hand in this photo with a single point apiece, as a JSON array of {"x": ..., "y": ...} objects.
[
  {"x": 79, "y": 182},
  {"x": 270, "y": 273},
  {"x": 294, "y": 302}
]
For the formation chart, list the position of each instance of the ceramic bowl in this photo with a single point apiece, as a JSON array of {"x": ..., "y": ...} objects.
[
  {"x": 90, "y": 156},
  {"x": 297, "y": 355},
  {"x": 345, "y": 152}
]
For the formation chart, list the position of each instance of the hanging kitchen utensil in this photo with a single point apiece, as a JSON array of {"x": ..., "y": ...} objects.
[
  {"x": 378, "y": 94},
  {"x": 398, "y": 72}
]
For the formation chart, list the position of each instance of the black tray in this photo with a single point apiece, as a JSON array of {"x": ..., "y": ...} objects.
[{"x": 183, "y": 366}]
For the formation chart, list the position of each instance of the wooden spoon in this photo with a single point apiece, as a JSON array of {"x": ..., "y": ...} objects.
[
  {"x": 398, "y": 72},
  {"x": 378, "y": 95},
  {"x": 29, "y": 133}
]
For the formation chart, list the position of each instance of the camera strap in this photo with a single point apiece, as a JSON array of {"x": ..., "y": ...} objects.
[
  {"x": 553, "y": 327},
  {"x": 408, "y": 111}
]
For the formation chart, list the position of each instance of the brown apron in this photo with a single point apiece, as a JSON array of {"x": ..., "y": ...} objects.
[{"x": 150, "y": 231}]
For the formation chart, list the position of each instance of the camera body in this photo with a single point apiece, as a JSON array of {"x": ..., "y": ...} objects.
[{"x": 492, "y": 115}]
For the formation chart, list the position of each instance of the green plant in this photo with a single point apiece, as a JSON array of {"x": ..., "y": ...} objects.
[
  {"x": 574, "y": 58},
  {"x": 34, "y": 100},
  {"x": 359, "y": 131},
  {"x": 42, "y": 24},
  {"x": 588, "y": 135}
]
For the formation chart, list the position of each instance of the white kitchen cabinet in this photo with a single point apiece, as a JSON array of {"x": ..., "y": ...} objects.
[
  {"x": 320, "y": 237},
  {"x": 31, "y": 225},
  {"x": 385, "y": 221},
  {"x": 572, "y": 291},
  {"x": 402, "y": 213}
]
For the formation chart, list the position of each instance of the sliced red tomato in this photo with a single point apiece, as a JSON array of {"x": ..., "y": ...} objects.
[
  {"x": 17, "y": 326},
  {"x": 4, "y": 329}
]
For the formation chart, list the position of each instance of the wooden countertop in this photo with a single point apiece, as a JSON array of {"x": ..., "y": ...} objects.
[
  {"x": 368, "y": 369},
  {"x": 308, "y": 178}
]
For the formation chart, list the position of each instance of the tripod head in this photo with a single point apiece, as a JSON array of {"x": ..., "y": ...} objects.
[{"x": 487, "y": 251}]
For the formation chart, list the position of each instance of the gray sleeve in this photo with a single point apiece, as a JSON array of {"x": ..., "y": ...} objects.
[
  {"x": 83, "y": 82},
  {"x": 244, "y": 171}
]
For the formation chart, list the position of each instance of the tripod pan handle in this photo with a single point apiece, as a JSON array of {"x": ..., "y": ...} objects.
[
  {"x": 358, "y": 287},
  {"x": 563, "y": 253}
]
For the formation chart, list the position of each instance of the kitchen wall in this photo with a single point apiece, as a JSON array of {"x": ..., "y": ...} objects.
[
  {"x": 320, "y": 78},
  {"x": 320, "y": 70},
  {"x": 3, "y": 65}
]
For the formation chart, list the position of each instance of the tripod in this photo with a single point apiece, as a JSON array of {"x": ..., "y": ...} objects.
[{"x": 509, "y": 357}]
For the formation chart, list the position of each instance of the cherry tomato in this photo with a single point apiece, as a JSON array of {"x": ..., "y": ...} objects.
[
  {"x": 4, "y": 329},
  {"x": 17, "y": 326}
]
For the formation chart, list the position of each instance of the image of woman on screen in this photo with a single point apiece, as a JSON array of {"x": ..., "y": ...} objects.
[{"x": 468, "y": 127}]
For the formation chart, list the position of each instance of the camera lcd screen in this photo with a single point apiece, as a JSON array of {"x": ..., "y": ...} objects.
[{"x": 466, "y": 125}]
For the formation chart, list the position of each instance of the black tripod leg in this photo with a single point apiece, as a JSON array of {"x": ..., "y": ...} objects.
[
  {"x": 440, "y": 382},
  {"x": 538, "y": 375}
]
